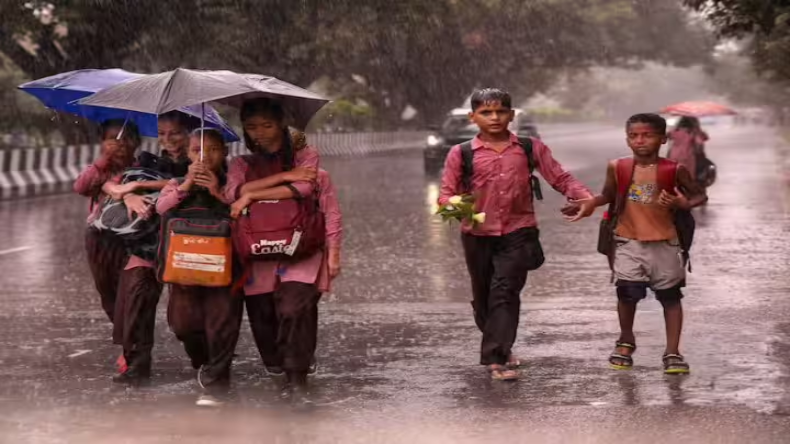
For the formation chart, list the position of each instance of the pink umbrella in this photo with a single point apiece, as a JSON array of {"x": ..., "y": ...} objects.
[{"x": 698, "y": 109}]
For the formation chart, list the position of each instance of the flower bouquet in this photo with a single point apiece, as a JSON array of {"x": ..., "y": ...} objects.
[{"x": 461, "y": 208}]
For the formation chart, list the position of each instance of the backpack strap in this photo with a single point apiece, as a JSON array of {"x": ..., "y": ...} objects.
[
  {"x": 624, "y": 175},
  {"x": 467, "y": 165},
  {"x": 526, "y": 144},
  {"x": 667, "y": 174}
]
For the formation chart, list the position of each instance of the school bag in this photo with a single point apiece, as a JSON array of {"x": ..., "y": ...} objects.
[
  {"x": 196, "y": 246},
  {"x": 666, "y": 178},
  {"x": 114, "y": 217},
  {"x": 287, "y": 229}
]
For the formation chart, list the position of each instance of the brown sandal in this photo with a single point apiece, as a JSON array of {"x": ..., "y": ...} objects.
[{"x": 502, "y": 373}]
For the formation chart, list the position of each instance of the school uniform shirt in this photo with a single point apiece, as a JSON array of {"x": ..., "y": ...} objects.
[
  {"x": 264, "y": 276},
  {"x": 501, "y": 183},
  {"x": 333, "y": 219}
]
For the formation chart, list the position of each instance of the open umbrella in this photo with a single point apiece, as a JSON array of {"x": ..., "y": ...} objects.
[
  {"x": 698, "y": 109},
  {"x": 160, "y": 93},
  {"x": 61, "y": 91}
]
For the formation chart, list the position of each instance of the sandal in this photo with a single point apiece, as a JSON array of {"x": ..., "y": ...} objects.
[
  {"x": 273, "y": 370},
  {"x": 620, "y": 361},
  {"x": 513, "y": 363},
  {"x": 502, "y": 373},
  {"x": 675, "y": 364}
]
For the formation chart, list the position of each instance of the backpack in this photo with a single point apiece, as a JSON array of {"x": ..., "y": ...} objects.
[
  {"x": 467, "y": 166},
  {"x": 196, "y": 245},
  {"x": 666, "y": 178},
  {"x": 140, "y": 236},
  {"x": 288, "y": 229}
]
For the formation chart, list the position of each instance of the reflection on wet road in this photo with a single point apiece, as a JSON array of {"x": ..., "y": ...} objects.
[{"x": 398, "y": 346}]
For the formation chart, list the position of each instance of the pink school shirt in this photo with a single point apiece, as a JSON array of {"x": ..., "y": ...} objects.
[{"x": 501, "y": 182}]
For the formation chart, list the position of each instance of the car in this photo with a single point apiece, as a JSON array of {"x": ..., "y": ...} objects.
[{"x": 458, "y": 129}]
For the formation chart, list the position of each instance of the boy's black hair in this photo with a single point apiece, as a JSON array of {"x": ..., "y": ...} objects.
[
  {"x": 130, "y": 129},
  {"x": 486, "y": 95},
  {"x": 262, "y": 107},
  {"x": 186, "y": 121},
  {"x": 657, "y": 122}
]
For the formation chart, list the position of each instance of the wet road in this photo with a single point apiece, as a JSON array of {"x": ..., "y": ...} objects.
[{"x": 398, "y": 347}]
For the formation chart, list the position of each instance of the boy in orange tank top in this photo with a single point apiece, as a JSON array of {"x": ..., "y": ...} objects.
[{"x": 649, "y": 193}]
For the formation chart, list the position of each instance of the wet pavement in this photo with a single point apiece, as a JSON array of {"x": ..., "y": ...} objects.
[{"x": 398, "y": 347}]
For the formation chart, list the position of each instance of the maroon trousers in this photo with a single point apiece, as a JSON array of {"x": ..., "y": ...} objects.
[
  {"x": 135, "y": 315},
  {"x": 207, "y": 321},
  {"x": 106, "y": 258},
  {"x": 285, "y": 325}
]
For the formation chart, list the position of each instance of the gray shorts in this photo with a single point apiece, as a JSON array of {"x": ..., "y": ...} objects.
[{"x": 659, "y": 264}]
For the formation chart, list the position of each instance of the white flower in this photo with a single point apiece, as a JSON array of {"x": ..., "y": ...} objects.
[
  {"x": 455, "y": 200},
  {"x": 479, "y": 218},
  {"x": 449, "y": 208}
]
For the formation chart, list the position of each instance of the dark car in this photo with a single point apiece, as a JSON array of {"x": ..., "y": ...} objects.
[{"x": 458, "y": 129}]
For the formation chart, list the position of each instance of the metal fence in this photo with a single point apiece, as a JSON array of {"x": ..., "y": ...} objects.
[{"x": 26, "y": 172}]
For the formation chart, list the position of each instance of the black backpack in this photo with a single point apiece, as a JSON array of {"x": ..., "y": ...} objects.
[{"x": 467, "y": 166}]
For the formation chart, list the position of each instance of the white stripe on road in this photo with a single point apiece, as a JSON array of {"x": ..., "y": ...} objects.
[
  {"x": 79, "y": 353},
  {"x": 14, "y": 250}
]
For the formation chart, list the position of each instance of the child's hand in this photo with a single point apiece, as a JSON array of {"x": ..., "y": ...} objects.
[
  {"x": 334, "y": 262},
  {"x": 139, "y": 205},
  {"x": 119, "y": 191},
  {"x": 582, "y": 207},
  {"x": 677, "y": 200},
  {"x": 571, "y": 208},
  {"x": 208, "y": 180},
  {"x": 238, "y": 207},
  {"x": 300, "y": 174}
]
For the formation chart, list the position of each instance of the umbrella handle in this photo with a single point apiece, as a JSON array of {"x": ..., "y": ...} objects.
[
  {"x": 202, "y": 124},
  {"x": 123, "y": 128}
]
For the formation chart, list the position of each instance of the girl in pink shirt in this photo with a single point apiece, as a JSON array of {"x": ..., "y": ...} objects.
[
  {"x": 139, "y": 289},
  {"x": 205, "y": 319},
  {"x": 285, "y": 291},
  {"x": 106, "y": 252}
]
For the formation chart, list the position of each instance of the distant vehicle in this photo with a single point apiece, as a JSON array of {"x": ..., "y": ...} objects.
[{"x": 458, "y": 129}]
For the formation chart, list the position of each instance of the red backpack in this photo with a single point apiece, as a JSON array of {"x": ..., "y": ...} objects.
[
  {"x": 666, "y": 179},
  {"x": 288, "y": 229}
]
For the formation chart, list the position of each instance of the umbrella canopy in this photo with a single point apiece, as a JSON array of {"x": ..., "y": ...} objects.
[
  {"x": 698, "y": 109},
  {"x": 160, "y": 93},
  {"x": 60, "y": 92}
]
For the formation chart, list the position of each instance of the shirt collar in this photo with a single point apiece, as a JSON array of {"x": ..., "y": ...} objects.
[{"x": 478, "y": 143}]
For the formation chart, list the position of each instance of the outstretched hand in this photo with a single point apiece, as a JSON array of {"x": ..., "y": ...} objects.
[{"x": 576, "y": 210}]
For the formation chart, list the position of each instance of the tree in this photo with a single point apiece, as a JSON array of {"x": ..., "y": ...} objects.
[
  {"x": 765, "y": 23},
  {"x": 428, "y": 54},
  {"x": 764, "y": 26}
]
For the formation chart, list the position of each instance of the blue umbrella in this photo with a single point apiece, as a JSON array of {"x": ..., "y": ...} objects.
[{"x": 60, "y": 93}]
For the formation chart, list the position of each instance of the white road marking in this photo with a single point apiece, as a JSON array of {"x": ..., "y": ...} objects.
[
  {"x": 14, "y": 250},
  {"x": 79, "y": 353}
]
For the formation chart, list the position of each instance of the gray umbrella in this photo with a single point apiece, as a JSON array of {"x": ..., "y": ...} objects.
[{"x": 167, "y": 91}]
